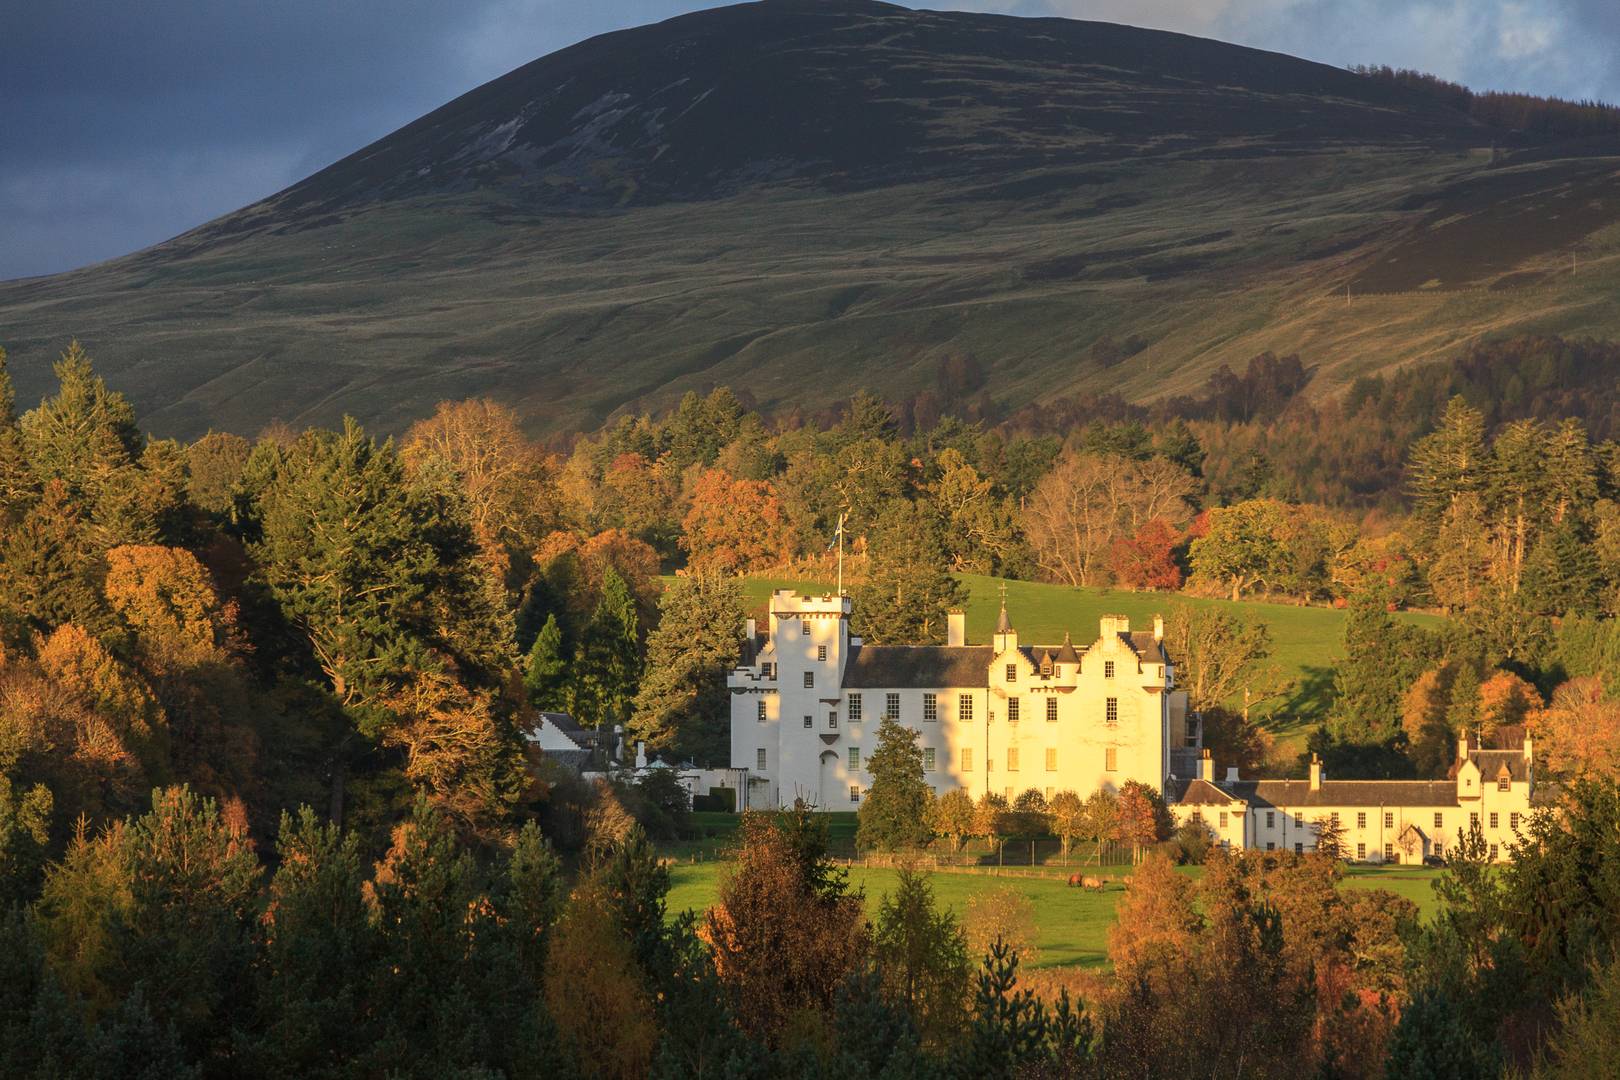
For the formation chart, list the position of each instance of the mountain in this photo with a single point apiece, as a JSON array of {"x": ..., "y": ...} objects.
[{"x": 800, "y": 198}]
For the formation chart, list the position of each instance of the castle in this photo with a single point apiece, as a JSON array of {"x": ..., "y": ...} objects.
[{"x": 807, "y": 697}]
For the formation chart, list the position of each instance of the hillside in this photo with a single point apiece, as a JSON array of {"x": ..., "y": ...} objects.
[{"x": 796, "y": 198}]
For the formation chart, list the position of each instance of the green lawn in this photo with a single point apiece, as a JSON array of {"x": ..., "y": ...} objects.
[
  {"x": 1072, "y": 923},
  {"x": 1306, "y": 641}
]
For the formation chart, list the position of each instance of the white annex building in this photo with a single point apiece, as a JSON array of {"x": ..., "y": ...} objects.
[{"x": 807, "y": 698}]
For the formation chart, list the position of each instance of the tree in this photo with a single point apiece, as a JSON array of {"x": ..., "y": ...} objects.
[
  {"x": 953, "y": 816},
  {"x": 785, "y": 930},
  {"x": 1505, "y": 701},
  {"x": 908, "y": 590},
  {"x": 1087, "y": 501},
  {"x": 1002, "y": 915},
  {"x": 1561, "y": 574},
  {"x": 545, "y": 673},
  {"x": 1143, "y": 817},
  {"x": 1329, "y": 836},
  {"x": 607, "y": 668},
  {"x": 595, "y": 993},
  {"x": 1383, "y": 659},
  {"x": 922, "y": 957},
  {"x": 1578, "y": 734},
  {"x": 682, "y": 703},
  {"x": 1102, "y": 816},
  {"x": 989, "y": 816},
  {"x": 1221, "y": 658},
  {"x": 1450, "y": 463},
  {"x": 458, "y": 753},
  {"x": 896, "y": 813},
  {"x": 1069, "y": 818},
  {"x": 979, "y": 530},
  {"x": 1244, "y": 547},
  {"x": 734, "y": 526},
  {"x": 1146, "y": 559},
  {"x": 48, "y": 567},
  {"x": 1156, "y": 919}
]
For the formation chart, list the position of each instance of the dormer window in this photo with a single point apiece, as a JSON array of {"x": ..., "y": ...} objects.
[{"x": 1504, "y": 783}]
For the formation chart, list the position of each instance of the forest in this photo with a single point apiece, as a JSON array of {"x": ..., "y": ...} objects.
[{"x": 266, "y": 808}]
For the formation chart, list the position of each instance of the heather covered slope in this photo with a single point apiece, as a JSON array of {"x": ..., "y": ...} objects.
[{"x": 797, "y": 198}]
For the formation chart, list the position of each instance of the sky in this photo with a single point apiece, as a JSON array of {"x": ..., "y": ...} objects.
[{"x": 123, "y": 123}]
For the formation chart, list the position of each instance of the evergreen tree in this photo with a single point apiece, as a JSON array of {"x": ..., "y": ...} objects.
[
  {"x": 683, "y": 702},
  {"x": 608, "y": 667},
  {"x": 1383, "y": 658},
  {"x": 8, "y": 395},
  {"x": 545, "y": 673},
  {"x": 921, "y": 955},
  {"x": 908, "y": 589},
  {"x": 48, "y": 568},
  {"x": 1450, "y": 463},
  {"x": 1462, "y": 704},
  {"x": 897, "y": 811},
  {"x": 1561, "y": 576},
  {"x": 84, "y": 434}
]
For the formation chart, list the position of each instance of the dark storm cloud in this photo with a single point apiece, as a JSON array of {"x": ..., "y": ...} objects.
[{"x": 124, "y": 122}]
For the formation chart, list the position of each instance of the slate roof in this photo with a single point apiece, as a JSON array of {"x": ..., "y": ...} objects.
[
  {"x": 1490, "y": 764},
  {"x": 566, "y": 724},
  {"x": 751, "y": 648},
  {"x": 573, "y": 759},
  {"x": 1298, "y": 793},
  {"x": 919, "y": 667},
  {"x": 1197, "y": 792},
  {"x": 1147, "y": 646}
]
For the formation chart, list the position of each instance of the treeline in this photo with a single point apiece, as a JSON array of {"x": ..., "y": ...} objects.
[{"x": 1528, "y": 113}]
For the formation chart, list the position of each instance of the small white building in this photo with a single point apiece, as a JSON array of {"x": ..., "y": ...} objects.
[
  {"x": 1382, "y": 820},
  {"x": 807, "y": 698}
]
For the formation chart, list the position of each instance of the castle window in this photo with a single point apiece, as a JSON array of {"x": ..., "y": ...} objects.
[
  {"x": 804, "y": 627},
  {"x": 1299, "y": 818},
  {"x": 1051, "y": 759},
  {"x": 832, "y": 718},
  {"x": 768, "y": 670},
  {"x": 854, "y": 759},
  {"x": 853, "y": 706},
  {"x": 808, "y": 722},
  {"x": 928, "y": 759},
  {"x": 821, "y": 652},
  {"x": 759, "y": 759},
  {"x": 1361, "y": 820},
  {"x": 1111, "y": 711},
  {"x": 809, "y": 679},
  {"x": 1389, "y": 852},
  {"x": 1012, "y": 759},
  {"x": 967, "y": 759},
  {"x": 1513, "y": 822},
  {"x": 1439, "y": 820},
  {"x": 1334, "y": 817},
  {"x": 1108, "y": 669},
  {"x": 1271, "y": 819},
  {"x": 930, "y": 707},
  {"x": 1473, "y": 819},
  {"x": 854, "y": 793},
  {"x": 1223, "y": 819},
  {"x": 1049, "y": 794},
  {"x": 1012, "y": 672},
  {"x": 1299, "y": 848},
  {"x": 1493, "y": 852},
  {"x": 1051, "y": 710},
  {"x": 1389, "y": 819},
  {"x": 1361, "y": 852},
  {"x": 1012, "y": 710},
  {"x": 762, "y": 710},
  {"x": 1270, "y": 846},
  {"x": 891, "y": 707},
  {"x": 1504, "y": 783},
  {"x": 1111, "y": 760},
  {"x": 1493, "y": 819},
  {"x": 964, "y": 706}
]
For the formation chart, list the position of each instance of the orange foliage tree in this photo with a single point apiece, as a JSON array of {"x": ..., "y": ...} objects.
[
  {"x": 735, "y": 526},
  {"x": 1578, "y": 733},
  {"x": 1146, "y": 559}
]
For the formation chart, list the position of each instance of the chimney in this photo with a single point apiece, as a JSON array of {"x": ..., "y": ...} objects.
[
  {"x": 1529, "y": 755},
  {"x": 1316, "y": 773},
  {"x": 1206, "y": 767},
  {"x": 750, "y": 629},
  {"x": 956, "y": 628},
  {"x": 641, "y": 754},
  {"x": 1462, "y": 746},
  {"x": 1231, "y": 774},
  {"x": 1158, "y": 628}
]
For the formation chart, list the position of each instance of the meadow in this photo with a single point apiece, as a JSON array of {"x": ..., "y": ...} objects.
[{"x": 1306, "y": 641}]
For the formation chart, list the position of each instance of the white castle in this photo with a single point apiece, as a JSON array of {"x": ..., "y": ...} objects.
[{"x": 807, "y": 698}]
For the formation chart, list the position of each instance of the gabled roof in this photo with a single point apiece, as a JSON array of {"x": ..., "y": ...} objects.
[
  {"x": 1197, "y": 792},
  {"x": 1066, "y": 653},
  {"x": 1491, "y": 763},
  {"x": 1148, "y": 647},
  {"x": 1298, "y": 793},
  {"x": 921, "y": 667}
]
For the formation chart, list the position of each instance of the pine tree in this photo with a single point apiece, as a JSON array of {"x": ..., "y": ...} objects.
[
  {"x": 683, "y": 702},
  {"x": 47, "y": 567},
  {"x": 1517, "y": 493},
  {"x": 908, "y": 590},
  {"x": 1462, "y": 704},
  {"x": 1561, "y": 576},
  {"x": 896, "y": 813},
  {"x": 1382, "y": 660},
  {"x": 608, "y": 667},
  {"x": 1450, "y": 462},
  {"x": 83, "y": 434},
  {"x": 8, "y": 395},
  {"x": 545, "y": 673}
]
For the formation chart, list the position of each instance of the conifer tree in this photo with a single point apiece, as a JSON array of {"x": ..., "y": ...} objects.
[
  {"x": 683, "y": 703},
  {"x": 545, "y": 673},
  {"x": 47, "y": 566},
  {"x": 896, "y": 812},
  {"x": 608, "y": 667},
  {"x": 8, "y": 395},
  {"x": 1450, "y": 462},
  {"x": 908, "y": 589},
  {"x": 1561, "y": 575}
]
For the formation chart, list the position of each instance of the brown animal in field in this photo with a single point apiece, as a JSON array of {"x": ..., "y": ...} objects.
[{"x": 1086, "y": 881}]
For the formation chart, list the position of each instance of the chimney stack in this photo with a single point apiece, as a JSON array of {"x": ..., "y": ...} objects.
[
  {"x": 1462, "y": 746},
  {"x": 956, "y": 628},
  {"x": 641, "y": 754},
  {"x": 1231, "y": 774},
  {"x": 750, "y": 629},
  {"x": 1158, "y": 628},
  {"x": 1206, "y": 767},
  {"x": 1316, "y": 773}
]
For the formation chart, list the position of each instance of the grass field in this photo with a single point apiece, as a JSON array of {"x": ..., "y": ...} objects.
[
  {"x": 1072, "y": 924},
  {"x": 1306, "y": 641}
]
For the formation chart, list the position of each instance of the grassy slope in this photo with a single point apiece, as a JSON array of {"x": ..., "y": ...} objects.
[{"x": 1306, "y": 640}]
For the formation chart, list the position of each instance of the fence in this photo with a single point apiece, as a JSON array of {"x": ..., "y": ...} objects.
[{"x": 980, "y": 854}]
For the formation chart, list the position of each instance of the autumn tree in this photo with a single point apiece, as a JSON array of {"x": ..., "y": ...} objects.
[
  {"x": 980, "y": 533},
  {"x": 1087, "y": 501},
  {"x": 683, "y": 702},
  {"x": 1144, "y": 819},
  {"x": 953, "y": 816},
  {"x": 1069, "y": 820},
  {"x": 922, "y": 955},
  {"x": 1147, "y": 559},
  {"x": 1578, "y": 734},
  {"x": 1244, "y": 547},
  {"x": 1221, "y": 659},
  {"x": 734, "y": 526}
]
